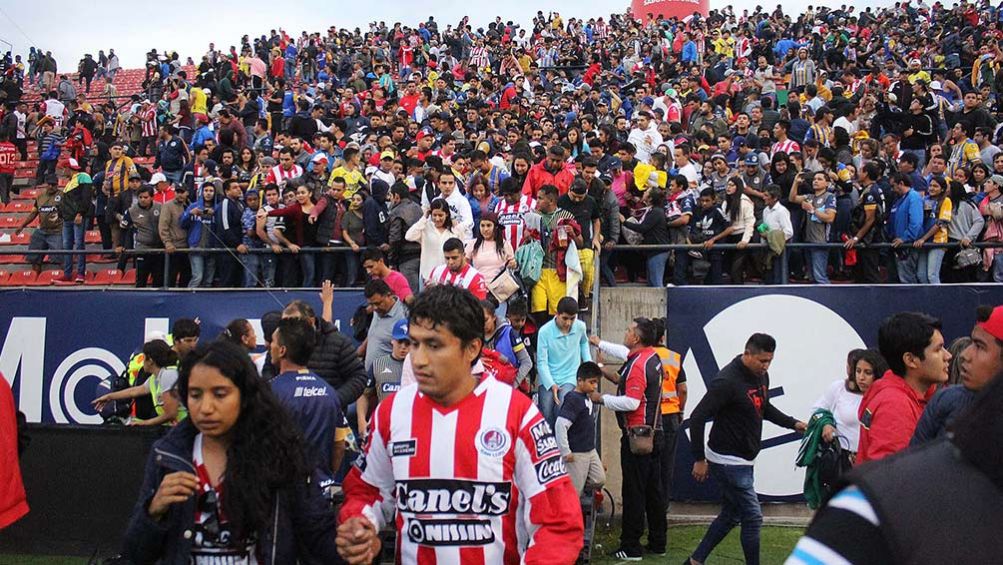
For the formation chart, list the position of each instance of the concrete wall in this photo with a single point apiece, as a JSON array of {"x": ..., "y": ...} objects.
[{"x": 617, "y": 307}]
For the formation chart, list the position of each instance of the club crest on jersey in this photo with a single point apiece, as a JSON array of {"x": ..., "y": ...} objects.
[
  {"x": 543, "y": 439},
  {"x": 492, "y": 442}
]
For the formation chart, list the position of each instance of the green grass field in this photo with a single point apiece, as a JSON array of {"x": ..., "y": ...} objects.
[{"x": 776, "y": 545}]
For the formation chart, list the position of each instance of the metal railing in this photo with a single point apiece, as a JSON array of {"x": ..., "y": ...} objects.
[{"x": 784, "y": 257}]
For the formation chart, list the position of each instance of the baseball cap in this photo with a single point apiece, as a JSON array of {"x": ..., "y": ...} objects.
[
  {"x": 73, "y": 164},
  {"x": 387, "y": 154},
  {"x": 157, "y": 178},
  {"x": 615, "y": 163},
  {"x": 400, "y": 330},
  {"x": 997, "y": 180},
  {"x": 751, "y": 160},
  {"x": 648, "y": 101},
  {"x": 319, "y": 158},
  {"x": 721, "y": 157},
  {"x": 738, "y": 141},
  {"x": 935, "y": 85},
  {"x": 135, "y": 176}
]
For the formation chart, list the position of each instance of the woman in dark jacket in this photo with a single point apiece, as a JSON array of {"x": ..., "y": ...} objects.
[
  {"x": 232, "y": 479},
  {"x": 656, "y": 232}
]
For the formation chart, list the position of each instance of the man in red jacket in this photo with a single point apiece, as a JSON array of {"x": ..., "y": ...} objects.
[
  {"x": 552, "y": 170},
  {"x": 914, "y": 348},
  {"x": 13, "y": 502}
]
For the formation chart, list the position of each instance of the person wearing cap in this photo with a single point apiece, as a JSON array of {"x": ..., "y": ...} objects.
[
  {"x": 175, "y": 237},
  {"x": 385, "y": 171},
  {"x": 384, "y": 374},
  {"x": 980, "y": 363},
  {"x": 163, "y": 191},
  {"x": 918, "y": 360},
  {"x": 74, "y": 207}
]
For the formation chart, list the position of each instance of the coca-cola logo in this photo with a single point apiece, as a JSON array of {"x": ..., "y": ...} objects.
[{"x": 549, "y": 469}]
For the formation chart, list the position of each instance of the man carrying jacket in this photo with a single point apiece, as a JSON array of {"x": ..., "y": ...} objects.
[
  {"x": 175, "y": 237},
  {"x": 334, "y": 358},
  {"x": 144, "y": 217},
  {"x": 738, "y": 401}
]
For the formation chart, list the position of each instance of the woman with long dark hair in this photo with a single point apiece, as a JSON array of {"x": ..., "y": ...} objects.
[
  {"x": 937, "y": 211},
  {"x": 231, "y": 481},
  {"x": 240, "y": 332},
  {"x": 490, "y": 252},
  {"x": 431, "y": 231},
  {"x": 741, "y": 212}
]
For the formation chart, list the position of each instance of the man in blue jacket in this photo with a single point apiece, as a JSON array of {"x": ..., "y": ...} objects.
[{"x": 905, "y": 225}]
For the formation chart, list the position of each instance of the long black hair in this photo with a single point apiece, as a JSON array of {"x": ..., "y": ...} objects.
[
  {"x": 160, "y": 353},
  {"x": 441, "y": 204},
  {"x": 266, "y": 452},
  {"x": 734, "y": 201},
  {"x": 497, "y": 234}
]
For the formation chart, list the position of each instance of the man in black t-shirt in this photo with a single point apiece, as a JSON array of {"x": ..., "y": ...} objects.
[{"x": 576, "y": 430}]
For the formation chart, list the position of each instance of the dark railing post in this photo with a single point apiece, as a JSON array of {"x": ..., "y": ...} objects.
[
  {"x": 167, "y": 270},
  {"x": 785, "y": 267}
]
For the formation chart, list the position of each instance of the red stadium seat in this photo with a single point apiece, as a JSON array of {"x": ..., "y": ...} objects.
[
  {"x": 19, "y": 207},
  {"x": 104, "y": 277},
  {"x": 19, "y": 278},
  {"x": 4, "y": 275},
  {"x": 12, "y": 259},
  {"x": 10, "y": 221},
  {"x": 46, "y": 278},
  {"x": 128, "y": 278},
  {"x": 92, "y": 236}
]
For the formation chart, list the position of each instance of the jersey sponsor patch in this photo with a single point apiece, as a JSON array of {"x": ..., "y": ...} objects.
[
  {"x": 404, "y": 448},
  {"x": 543, "y": 439},
  {"x": 492, "y": 442},
  {"x": 310, "y": 391},
  {"x": 446, "y": 533},
  {"x": 550, "y": 469},
  {"x": 388, "y": 388},
  {"x": 453, "y": 496}
]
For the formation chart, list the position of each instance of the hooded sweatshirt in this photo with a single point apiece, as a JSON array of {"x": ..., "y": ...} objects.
[{"x": 888, "y": 416}]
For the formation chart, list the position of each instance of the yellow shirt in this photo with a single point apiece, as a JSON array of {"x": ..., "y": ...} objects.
[
  {"x": 943, "y": 220},
  {"x": 199, "y": 101},
  {"x": 353, "y": 179}
]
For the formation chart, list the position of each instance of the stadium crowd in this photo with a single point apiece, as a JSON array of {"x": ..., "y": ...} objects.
[
  {"x": 842, "y": 126},
  {"x": 477, "y": 177}
]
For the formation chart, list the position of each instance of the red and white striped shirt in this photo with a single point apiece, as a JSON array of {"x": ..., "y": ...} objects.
[
  {"x": 512, "y": 218},
  {"x": 149, "y": 118},
  {"x": 787, "y": 146},
  {"x": 468, "y": 278},
  {"x": 479, "y": 57},
  {"x": 479, "y": 482},
  {"x": 600, "y": 30},
  {"x": 280, "y": 176}
]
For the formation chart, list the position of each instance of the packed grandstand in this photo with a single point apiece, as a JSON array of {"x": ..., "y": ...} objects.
[{"x": 826, "y": 127}]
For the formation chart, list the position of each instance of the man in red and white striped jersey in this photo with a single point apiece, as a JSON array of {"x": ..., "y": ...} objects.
[
  {"x": 285, "y": 171},
  {"x": 465, "y": 467},
  {"x": 458, "y": 271},
  {"x": 515, "y": 211},
  {"x": 784, "y": 144}
]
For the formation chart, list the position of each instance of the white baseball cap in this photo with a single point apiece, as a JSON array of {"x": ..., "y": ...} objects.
[{"x": 158, "y": 178}]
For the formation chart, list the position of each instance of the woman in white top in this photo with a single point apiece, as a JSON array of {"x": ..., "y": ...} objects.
[
  {"x": 484, "y": 252},
  {"x": 843, "y": 397},
  {"x": 741, "y": 212},
  {"x": 431, "y": 231}
]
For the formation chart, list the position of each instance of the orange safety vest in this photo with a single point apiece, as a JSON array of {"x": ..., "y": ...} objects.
[{"x": 671, "y": 363}]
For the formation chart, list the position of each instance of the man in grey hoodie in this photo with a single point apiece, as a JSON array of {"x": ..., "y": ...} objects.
[{"x": 404, "y": 212}]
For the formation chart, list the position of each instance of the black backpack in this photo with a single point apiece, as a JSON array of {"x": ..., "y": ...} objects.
[
  {"x": 116, "y": 411},
  {"x": 833, "y": 461}
]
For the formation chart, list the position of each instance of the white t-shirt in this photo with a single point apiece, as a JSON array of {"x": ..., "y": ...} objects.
[{"x": 844, "y": 406}]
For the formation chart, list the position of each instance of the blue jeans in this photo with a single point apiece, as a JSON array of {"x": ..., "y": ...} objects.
[
  {"x": 203, "y": 270},
  {"x": 739, "y": 505},
  {"x": 819, "y": 265},
  {"x": 928, "y": 268},
  {"x": 605, "y": 269},
  {"x": 308, "y": 268},
  {"x": 73, "y": 238},
  {"x": 548, "y": 407},
  {"x": 907, "y": 264},
  {"x": 174, "y": 177},
  {"x": 252, "y": 267},
  {"x": 656, "y": 269},
  {"x": 43, "y": 241},
  {"x": 268, "y": 263}
]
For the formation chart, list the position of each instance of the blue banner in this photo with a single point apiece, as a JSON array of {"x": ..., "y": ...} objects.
[
  {"x": 59, "y": 344},
  {"x": 815, "y": 327}
]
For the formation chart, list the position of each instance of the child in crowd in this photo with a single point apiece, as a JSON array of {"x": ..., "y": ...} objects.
[{"x": 576, "y": 430}]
